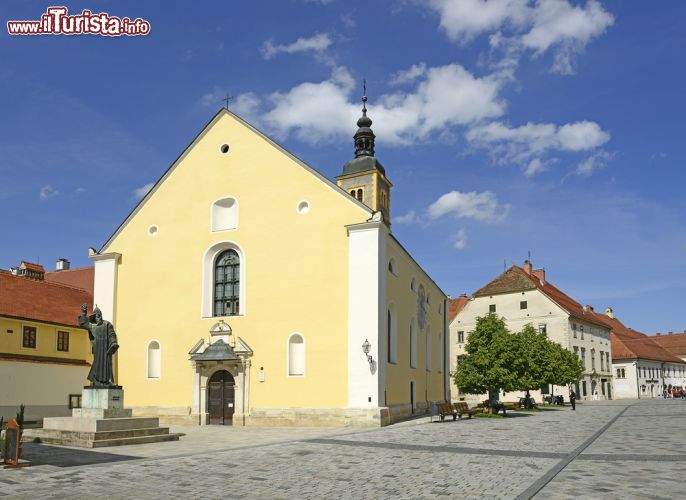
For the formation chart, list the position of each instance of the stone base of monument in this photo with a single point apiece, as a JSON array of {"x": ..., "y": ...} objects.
[{"x": 101, "y": 421}]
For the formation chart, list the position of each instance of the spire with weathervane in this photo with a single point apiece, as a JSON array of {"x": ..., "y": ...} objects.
[{"x": 364, "y": 177}]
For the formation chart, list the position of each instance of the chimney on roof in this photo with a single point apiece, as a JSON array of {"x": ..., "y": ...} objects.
[
  {"x": 540, "y": 274},
  {"x": 62, "y": 265},
  {"x": 589, "y": 308},
  {"x": 528, "y": 267},
  {"x": 609, "y": 313},
  {"x": 463, "y": 295},
  {"x": 658, "y": 334}
]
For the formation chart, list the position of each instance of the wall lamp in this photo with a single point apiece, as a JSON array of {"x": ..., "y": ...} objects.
[{"x": 366, "y": 346}]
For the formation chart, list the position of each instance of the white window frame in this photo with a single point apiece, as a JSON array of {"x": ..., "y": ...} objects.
[{"x": 208, "y": 260}]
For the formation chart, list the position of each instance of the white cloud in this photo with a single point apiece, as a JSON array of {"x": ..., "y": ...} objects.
[
  {"x": 446, "y": 96},
  {"x": 528, "y": 144},
  {"x": 213, "y": 98},
  {"x": 317, "y": 43},
  {"x": 535, "y": 166},
  {"x": 247, "y": 106},
  {"x": 79, "y": 190},
  {"x": 408, "y": 75},
  {"x": 537, "y": 26},
  {"x": 408, "y": 218},
  {"x": 140, "y": 192},
  {"x": 482, "y": 206},
  {"x": 592, "y": 163},
  {"x": 348, "y": 20},
  {"x": 47, "y": 191},
  {"x": 460, "y": 239}
]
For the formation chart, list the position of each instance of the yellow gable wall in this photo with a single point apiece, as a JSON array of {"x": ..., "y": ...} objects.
[
  {"x": 429, "y": 385},
  {"x": 46, "y": 340},
  {"x": 296, "y": 269}
]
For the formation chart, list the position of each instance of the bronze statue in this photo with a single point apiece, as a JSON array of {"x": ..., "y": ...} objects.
[{"x": 104, "y": 345}]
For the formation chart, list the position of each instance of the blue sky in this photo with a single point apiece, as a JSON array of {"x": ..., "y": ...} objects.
[{"x": 506, "y": 127}]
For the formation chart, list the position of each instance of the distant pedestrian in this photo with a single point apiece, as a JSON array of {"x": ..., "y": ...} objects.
[
  {"x": 572, "y": 399},
  {"x": 673, "y": 392}
]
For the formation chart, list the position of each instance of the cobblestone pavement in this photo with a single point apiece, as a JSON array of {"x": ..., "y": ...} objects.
[{"x": 613, "y": 449}]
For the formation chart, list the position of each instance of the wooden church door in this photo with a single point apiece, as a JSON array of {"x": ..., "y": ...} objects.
[{"x": 221, "y": 398}]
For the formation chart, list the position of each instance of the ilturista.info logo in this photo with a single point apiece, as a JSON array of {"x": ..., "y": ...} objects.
[{"x": 57, "y": 21}]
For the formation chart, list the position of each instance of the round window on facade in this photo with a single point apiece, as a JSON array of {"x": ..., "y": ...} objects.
[
  {"x": 224, "y": 148},
  {"x": 152, "y": 230},
  {"x": 303, "y": 207}
]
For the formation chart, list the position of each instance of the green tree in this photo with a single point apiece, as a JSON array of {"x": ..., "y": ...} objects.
[
  {"x": 532, "y": 360},
  {"x": 487, "y": 366},
  {"x": 565, "y": 367}
]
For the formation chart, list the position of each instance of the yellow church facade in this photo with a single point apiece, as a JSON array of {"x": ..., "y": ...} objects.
[{"x": 245, "y": 288}]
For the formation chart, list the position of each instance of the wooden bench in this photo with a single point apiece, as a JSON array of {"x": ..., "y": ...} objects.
[
  {"x": 463, "y": 409},
  {"x": 445, "y": 409}
]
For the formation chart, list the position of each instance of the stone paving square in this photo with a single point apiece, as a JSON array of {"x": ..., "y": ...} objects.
[{"x": 609, "y": 449}]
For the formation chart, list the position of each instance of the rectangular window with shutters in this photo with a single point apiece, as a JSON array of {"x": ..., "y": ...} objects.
[
  {"x": 28, "y": 339},
  {"x": 63, "y": 341}
]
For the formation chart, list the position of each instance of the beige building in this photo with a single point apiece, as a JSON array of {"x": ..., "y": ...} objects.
[
  {"x": 522, "y": 295},
  {"x": 44, "y": 355}
]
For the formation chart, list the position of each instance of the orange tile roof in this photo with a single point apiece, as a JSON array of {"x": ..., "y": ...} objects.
[
  {"x": 40, "y": 300},
  {"x": 673, "y": 342},
  {"x": 516, "y": 279},
  {"x": 455, "y": 306},
  {"x": 82, "y": 277},
  {"x": 627, "y": 343}
]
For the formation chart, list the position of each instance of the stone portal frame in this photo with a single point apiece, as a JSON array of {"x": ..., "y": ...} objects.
[{"x": 203, "y": 371}]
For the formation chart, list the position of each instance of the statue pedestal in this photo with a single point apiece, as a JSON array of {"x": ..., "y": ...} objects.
[
  {"x": 103, "y": 398},
  {"x": 101, "y": 421}
]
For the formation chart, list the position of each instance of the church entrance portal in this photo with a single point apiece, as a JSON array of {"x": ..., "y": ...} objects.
[{"x": 221, "y": 398}]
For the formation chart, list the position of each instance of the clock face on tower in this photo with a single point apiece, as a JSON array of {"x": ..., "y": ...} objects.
[{"x": 421, "y": 308}]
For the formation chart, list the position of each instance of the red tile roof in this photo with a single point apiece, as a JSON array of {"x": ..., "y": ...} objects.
[
  {"x": 455, "y": 306},
  {"x": 627, "y": 343},
  {"x": 39, "y": 300},
  {"x": 516, "y": 279},
  {"x": 83, "y": 277},
  {"x": 673, "y": 342}
]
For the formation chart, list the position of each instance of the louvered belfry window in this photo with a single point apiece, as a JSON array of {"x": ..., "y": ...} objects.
[{"x": 227, "y": 283}]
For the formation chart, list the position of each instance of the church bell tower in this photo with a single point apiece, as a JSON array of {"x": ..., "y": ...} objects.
[{"x": 364, "y": 177}]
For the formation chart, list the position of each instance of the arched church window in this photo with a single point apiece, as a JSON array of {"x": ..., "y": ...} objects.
[
  {"x": 392, "y": 335},
  {"x": 359, "y": 194},
  {"x": 413, "y": 344},
  {"x": 296, "y": 355},
  {"x": 428, "y": 352},
  {"x": 154, "y": 359},
  {"x": 227, "y": 283}
]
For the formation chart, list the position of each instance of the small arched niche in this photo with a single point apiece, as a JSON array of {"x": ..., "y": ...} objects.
[
  {"x": 225, "y": 214},
  {"x": 154, "y": 359}
]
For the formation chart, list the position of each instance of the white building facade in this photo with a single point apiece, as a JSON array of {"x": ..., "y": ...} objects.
[{"x": 523, "y": 296}]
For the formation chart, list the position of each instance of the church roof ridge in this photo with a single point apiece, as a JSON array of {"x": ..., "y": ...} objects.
[{"x": 223, "y": 112}]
